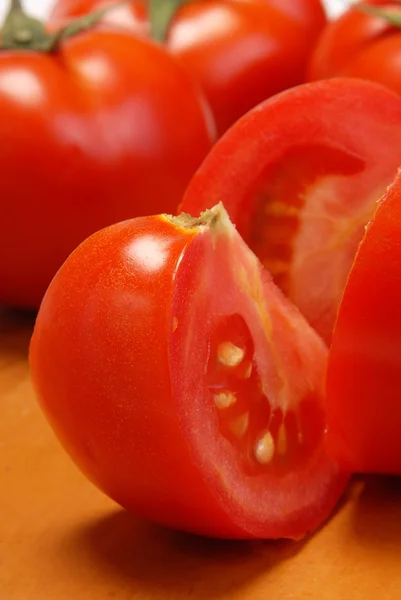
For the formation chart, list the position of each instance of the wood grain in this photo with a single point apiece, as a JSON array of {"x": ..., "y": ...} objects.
[{"x": 61, "y": 539}]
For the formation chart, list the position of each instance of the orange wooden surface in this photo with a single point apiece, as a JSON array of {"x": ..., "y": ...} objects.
[{"x": 61, "y": 539}]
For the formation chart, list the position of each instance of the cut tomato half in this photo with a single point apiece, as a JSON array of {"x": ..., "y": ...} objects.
[
  {"x": 184, "y": 384},
  {"x": 300, "y": 176},
  {"x": 364, "y": 372}
]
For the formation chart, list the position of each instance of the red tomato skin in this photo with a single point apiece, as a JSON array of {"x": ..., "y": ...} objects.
[
  {"x": 257, "y": 51},
  {"x": 240, "y": 52},
  {"x": 156, "y": 458},
  {"x": 107, "y": 129},
  {"x": 364, "y": 369},
  {"x": 120, "y": 417},
  {"x": 358, "y": 44}
]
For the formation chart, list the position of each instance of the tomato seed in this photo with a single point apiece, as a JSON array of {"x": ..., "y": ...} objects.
[
  {"x": 230, "y": 355},
  {"x": 264, "y": 449},
  {"x": 224, "y": 399}
]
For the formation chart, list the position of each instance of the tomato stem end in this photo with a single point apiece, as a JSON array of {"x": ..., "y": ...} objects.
[{"x": 21, "y": 31}]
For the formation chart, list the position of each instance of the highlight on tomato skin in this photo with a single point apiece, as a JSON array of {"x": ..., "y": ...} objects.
[
  {"x": 184, "y": 384},
  {"x": 300, "y": 175},
  {"x": 364, "y": 369}
]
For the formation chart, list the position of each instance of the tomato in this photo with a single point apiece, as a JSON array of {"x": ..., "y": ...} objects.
[
  {"x": 183, "y": 383},
  {"x": 359, "y": 44},
  {"x": 105, "y": 128},
  {"x": 239, "y": 51},
  {"x": 364, "y": 372},
  {"x": 300, "y": 176}
]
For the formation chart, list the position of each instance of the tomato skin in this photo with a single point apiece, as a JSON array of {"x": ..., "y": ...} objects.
[
  {"x": 108, "y": 128},
  {"x": 258, "y": 149},
  {"x": 132, "y": 393},
  {"x": 257, "y": 51},
  {"x": 358, "y": 44},
  {"x": 239, "y": 51},
  {"x": 364, "y": 369},
  {"x": 115, "y": 336}
]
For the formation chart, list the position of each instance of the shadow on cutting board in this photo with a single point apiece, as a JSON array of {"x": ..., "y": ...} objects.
[
  {"x": 172, "y": 564},
  {"x": 376, "y": 517},
  {"x": 16, "y": 328}
]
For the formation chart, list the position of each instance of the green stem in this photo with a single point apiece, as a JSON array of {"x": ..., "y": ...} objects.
[
  {"x": 391, "y": 17},
  {"x": 23, "y": 32},
  {"x": 161, "y": 13},
  {"x": 78, "y": 25}
]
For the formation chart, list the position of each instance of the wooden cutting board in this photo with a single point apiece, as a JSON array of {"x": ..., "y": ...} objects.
[{"x": 61, "y": 539}]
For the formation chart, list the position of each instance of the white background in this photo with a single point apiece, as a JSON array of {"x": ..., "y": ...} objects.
[{"x": 40, "y": 7}]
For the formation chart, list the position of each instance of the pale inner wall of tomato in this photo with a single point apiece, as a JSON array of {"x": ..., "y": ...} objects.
[
  {"x": 259, "y": 385},
  {"x": 306, "y": 228}
]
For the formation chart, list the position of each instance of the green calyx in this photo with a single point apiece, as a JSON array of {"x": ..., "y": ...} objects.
[
  {"x": 161, "y": 13},
  {"x": 23, "y": 32},
  {"x": 393, "y": 18}
]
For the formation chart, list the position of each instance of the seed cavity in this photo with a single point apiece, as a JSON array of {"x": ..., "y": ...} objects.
[
  {"x": 248, "y": 371},
  {"x": 224, "y": 399},
  {"x": 230, "y": 355},
  {"x": 282, "y": 440},
  {"x": 264, "y": 449},
  {"x": 239, "y": 426}
]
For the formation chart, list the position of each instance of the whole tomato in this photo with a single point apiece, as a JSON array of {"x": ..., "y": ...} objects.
[
  {"x": 239, "y": 51},
  {"x": 183, "y": 383},
  {"x": 94, "y": 129},
  {"x": 361, "y": 44}
]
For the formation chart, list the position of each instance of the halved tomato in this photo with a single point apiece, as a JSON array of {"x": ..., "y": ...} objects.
[
  {"x": 300, "y": 176},
  {"x": 364, "y": 372},
  {"x": 183, "y": 383}
]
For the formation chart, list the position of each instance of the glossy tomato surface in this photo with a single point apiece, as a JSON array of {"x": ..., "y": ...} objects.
[
  {"x": 300, "y": 176},
  {"x": 359, "y": 44},
  {"x": 106, "y": 128},
  {"x": 239, "y": 51},
  {"x": 364, "y": 372},
  {"x": 183, "y": 383}
]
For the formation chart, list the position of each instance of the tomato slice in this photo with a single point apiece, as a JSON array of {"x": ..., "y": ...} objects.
[
  {"x": 184, "y": 384},
  {"x": 364, "y": 372},
  {"x": 300, "y": 176}
]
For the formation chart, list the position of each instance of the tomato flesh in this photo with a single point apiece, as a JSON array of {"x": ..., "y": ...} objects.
[
  {"x": 301, "y": 183},
  {"x": 263, "y": 437},
  {"x": 172, "y": 357}
]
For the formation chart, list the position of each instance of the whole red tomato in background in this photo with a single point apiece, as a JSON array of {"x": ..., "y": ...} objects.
[
  {"x": 364, "y": 369},
  {"x": 183, "y": 383},
  {"x": 239, "y": 51},
  {"x": 106, "y": 127},
  {"x": 300, "y": 176},
  {"x": 359, "y": 44}
]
